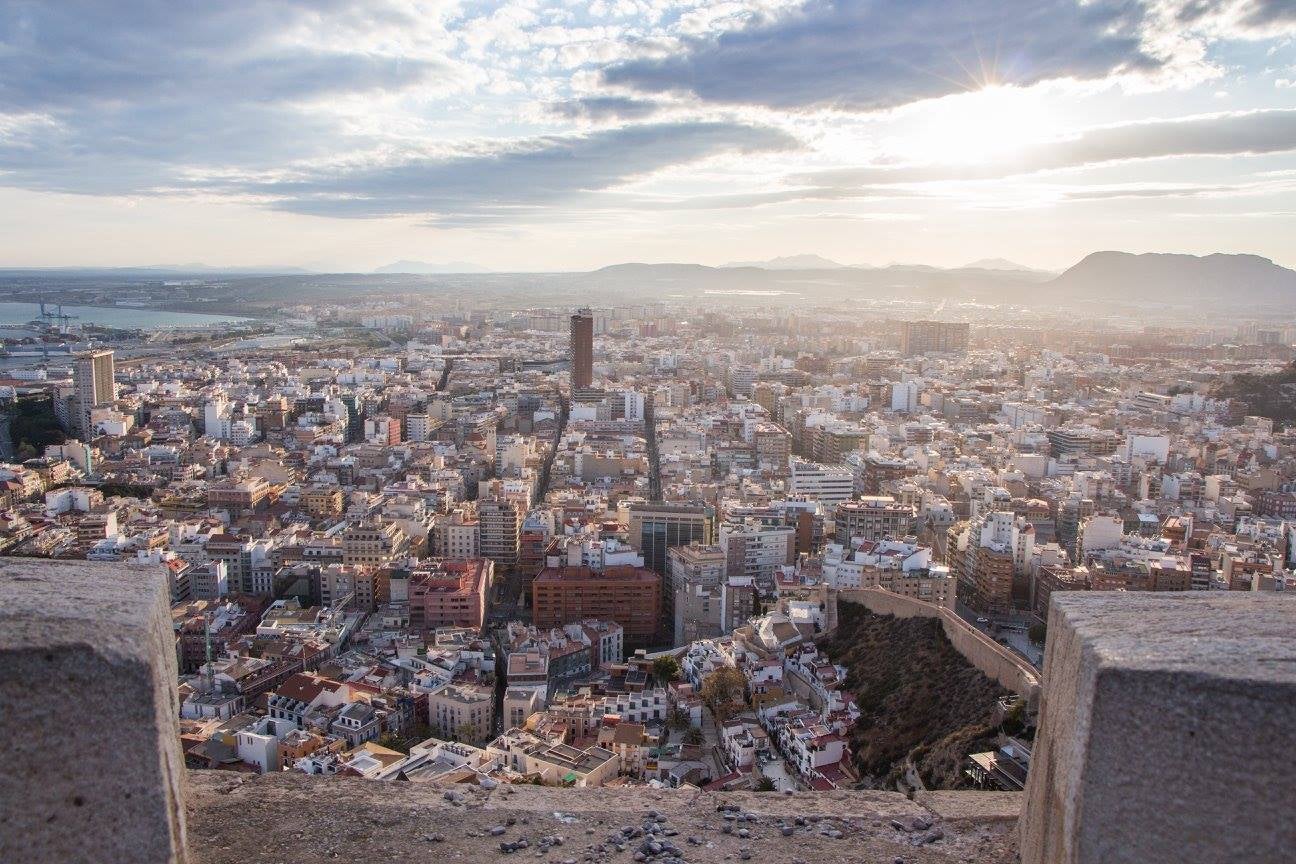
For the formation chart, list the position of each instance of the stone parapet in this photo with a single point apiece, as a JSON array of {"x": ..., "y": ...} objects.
[
  {"x": 238, "y": 818},
  {"x": 88, "y": 714},
  {"x": 1165, "y": 730}
]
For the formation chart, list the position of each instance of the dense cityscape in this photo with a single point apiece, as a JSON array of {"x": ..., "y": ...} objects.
[{"x": 593, "y": 546}]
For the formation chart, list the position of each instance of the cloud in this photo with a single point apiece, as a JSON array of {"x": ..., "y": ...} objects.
[
  {"x": 134, "y": 94},
  {"x": 1251, "y": 132},
  {"x": 513, "y": 181},
  {"x": 865, "y": 56},
  {"x": 1268, "y": 13},
  {"x": 1245, "y": 19},
  {"x": 1116, "y": 192},
  {"x": 100, "y": 56},
  {"x": 744, "y": 200},
  {"x": 601, "y": 108}
]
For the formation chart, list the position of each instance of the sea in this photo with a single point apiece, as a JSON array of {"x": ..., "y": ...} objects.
[{"x": 108, "y": 316}]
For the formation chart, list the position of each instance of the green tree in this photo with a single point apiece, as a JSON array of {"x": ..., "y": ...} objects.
[
  {"x": 677, "y": 719},
  {"x": 666, "y": 669},
  {"x": 694, "y": 736},
  {"x": 724, "y": 690},
  {"x": 465, "y": 733},
  {"x": 765, "y": 784},
  {"x": 1037, "y": 632},
  {"x": 392, "y": 741},
  {"x": 1014, "y": 720}
]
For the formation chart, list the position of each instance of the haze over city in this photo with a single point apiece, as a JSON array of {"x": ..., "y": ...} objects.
[{"x": 345, "y": 136}]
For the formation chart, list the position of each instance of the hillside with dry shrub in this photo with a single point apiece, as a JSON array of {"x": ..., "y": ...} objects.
[{"x": 920, "y": 701}]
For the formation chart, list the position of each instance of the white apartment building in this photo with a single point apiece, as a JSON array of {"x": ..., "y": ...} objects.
[{"x": 828, "y": 484}]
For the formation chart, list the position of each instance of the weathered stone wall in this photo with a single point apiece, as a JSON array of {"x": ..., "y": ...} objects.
[
  {"x": 997, "y": 662},
  {"x": 88, "y": 714},
  {"x": 1165, "y": 732}
]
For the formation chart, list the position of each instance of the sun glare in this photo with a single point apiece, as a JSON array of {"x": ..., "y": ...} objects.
[{"x": 980, "y": 126}]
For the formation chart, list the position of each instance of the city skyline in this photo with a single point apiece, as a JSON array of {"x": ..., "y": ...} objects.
[{"x": 535, "y": 137}]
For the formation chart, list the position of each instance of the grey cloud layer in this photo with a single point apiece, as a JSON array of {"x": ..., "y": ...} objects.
[
  {"x": 121, "y": 97},
  {"x": 600, "y": 108},
  {"x": 96, "y": 55},
  {"x": 871, "y": 54},
  {"x": 158, "y": 96},
  {"x": 513, "y": 181}
]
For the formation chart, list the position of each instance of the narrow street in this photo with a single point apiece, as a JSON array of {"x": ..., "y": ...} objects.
[{"x": 654, "y": 458}]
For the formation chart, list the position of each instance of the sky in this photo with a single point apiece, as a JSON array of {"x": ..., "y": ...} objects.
[{"x": 342, "y": 135}]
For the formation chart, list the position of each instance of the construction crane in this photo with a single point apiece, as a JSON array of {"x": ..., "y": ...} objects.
[{"x": 50, "y": 317}]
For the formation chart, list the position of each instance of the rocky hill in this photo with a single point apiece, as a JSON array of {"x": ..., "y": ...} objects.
[
  {"x": 921, "y": 702},
  {"x": 1176, "y": 279}
]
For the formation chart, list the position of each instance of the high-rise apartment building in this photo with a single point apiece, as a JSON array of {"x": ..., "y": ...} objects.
[
  {"x": 706, "y": 603},
  {"x": 92, "y": 385},
  {"x": 873, "y": 517},
  {"x": 374, "y": 543},
  {"x": 582, "y": 349},
  {"x": 756, "y": 550},
  {"x": 828, "y": 484},
  {"x": 933, "y": 337},
  {"x": 655, "y": 528},
  {"x": 449, "y": 594},
  {"x": 990, "y": 558},
  {"x": 499, "y": 530}
]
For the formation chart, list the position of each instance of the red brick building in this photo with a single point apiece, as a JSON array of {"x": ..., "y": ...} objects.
[
  {"x": 449, "y": 594},
  {"x": 630, "y": 596}
]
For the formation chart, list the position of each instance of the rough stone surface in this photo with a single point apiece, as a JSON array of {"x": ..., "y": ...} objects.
[
  {"x": 1165, "y": 730},
  {"x": 239, "y": 818},
  {"x": 979, "y": 808},
  {"x": 88, "y": 705}
]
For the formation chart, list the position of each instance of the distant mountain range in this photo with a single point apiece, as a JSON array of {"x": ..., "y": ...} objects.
[
  {"x": 999, "y": 264},
  {"x": 1113, "y": 280},
  {"x": 791, "y": 262},
  {"x": 426, "y": 268}
]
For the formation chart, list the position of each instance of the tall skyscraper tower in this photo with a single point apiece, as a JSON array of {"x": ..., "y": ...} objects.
[
  {"x": 92, "y": 382},
  {"x": 582, "y": 349}
]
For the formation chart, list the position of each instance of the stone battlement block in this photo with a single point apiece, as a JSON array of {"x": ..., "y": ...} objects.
[
  {"x": 88, "y": 708},
  {"x": 1166, "y": 730}
]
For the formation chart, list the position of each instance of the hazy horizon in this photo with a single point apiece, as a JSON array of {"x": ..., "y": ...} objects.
[{"x": 531, "y": 137}]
